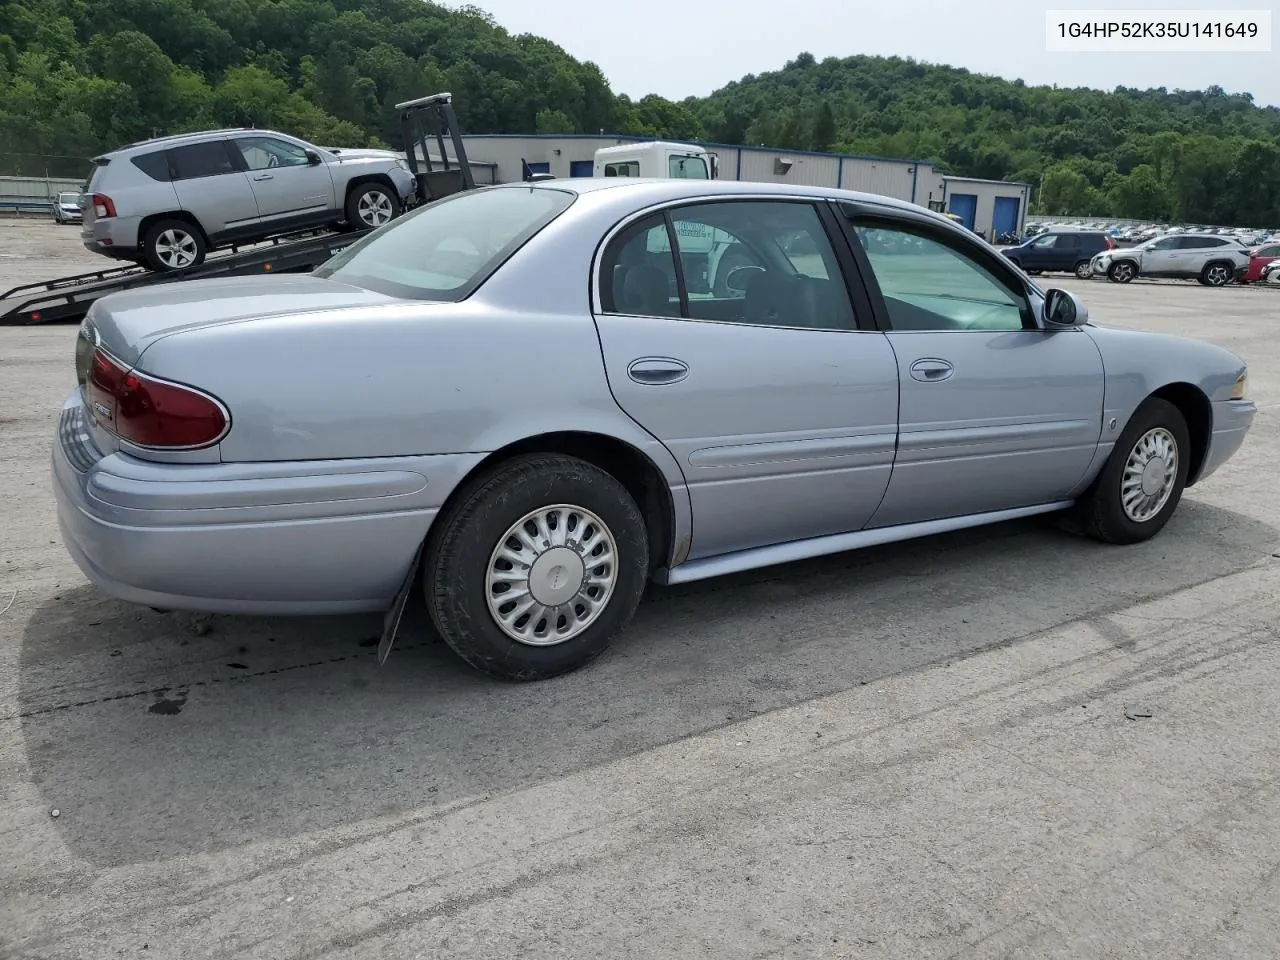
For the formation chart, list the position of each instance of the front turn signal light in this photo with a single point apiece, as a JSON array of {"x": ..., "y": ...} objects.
[{"x": 1237, "y": 392}]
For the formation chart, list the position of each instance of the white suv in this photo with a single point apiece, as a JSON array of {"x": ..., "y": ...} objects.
[
  {"x": 1209, "y": 258},
  {"x": 168, "y": 202}
]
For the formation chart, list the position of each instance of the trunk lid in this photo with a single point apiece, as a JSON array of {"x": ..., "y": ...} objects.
[{"x": 126, "y": 323}]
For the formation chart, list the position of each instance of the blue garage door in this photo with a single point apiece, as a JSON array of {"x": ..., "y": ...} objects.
[
  {"x": 1005, "y": 217},
  {"x": 582, "y": 168},
  {"x": 964, "y": 206},
  {"x": 539, "y": 168}
]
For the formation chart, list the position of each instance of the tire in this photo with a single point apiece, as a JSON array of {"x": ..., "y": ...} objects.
[
  {"x": 1083, "y": 270},
  {"x": 1101, "y": 513},
  {"x": 1122, "y": 271},
  {"x": 1216, "y": 274},
  {"x": 371, "y": 205},
  {"x": 464, "y": 548},
  {"x": 173, "y": 245}
]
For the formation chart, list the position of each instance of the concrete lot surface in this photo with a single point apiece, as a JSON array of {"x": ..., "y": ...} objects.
[{"x": 912, "y": 752}]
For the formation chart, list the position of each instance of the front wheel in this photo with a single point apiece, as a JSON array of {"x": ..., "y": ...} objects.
[
  {"x": 371, "y": 205},
  {"x": 1142, "y": 482},
  {"x": 536, "y": 566}
]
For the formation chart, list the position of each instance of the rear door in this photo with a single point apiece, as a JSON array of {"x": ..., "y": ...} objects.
[
  {"x": 288, "y": 187},
  {"x": 744, "y": 355},
  {"x": 996, "y": 412},
  {"x": 211, "y": 187}
]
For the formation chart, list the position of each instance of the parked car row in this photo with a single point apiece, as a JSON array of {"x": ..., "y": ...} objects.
[
  {"x": 1212, "y": 259},
  {"x": 1130, "y": 234},
  {"x": 168, "y": 202}
]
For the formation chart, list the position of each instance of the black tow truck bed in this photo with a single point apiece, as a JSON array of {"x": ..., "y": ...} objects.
[
  {"x": 422, "y": 122},
  {"x": 69, "y": 298}
]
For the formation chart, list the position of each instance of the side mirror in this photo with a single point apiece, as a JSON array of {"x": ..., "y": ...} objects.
[
  {"x": 1063, "y": 309},
  {"x": 313, "y": 158}
]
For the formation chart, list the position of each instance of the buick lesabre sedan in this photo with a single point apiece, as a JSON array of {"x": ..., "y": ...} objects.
[{"x": 536, "y": 398}]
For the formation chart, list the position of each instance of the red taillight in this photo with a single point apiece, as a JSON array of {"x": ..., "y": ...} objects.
[
  {"x": 150, "y": 412},
  {"x": 103, "y": 206},
  {"x": 1111, "y": 244}
]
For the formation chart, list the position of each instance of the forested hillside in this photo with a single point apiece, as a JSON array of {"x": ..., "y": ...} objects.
[
  {"x": 81, "y": 76},
  {"x": 1200, "y": 156}
]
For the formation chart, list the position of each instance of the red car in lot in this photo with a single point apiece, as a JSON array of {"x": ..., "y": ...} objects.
[{"x": 1259, "y": 258}]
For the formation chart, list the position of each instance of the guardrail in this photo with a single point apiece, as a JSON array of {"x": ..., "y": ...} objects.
[{"x": 20, "y": 205}]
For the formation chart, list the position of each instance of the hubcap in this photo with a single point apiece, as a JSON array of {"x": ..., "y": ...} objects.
[
  {"x": 374, "y": 208},
  {"x": 176, "y": 249},
  {"x": 551, "y": 575},
  {"x": 1149, "y": 475}
]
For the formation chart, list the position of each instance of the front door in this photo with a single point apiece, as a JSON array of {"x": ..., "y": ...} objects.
[
  {"x": 743, "y": 355},
  {"x": 1160, "y": 257},
  {"x": 996, "y": 412},
  {"x": 289, "y": 188}
]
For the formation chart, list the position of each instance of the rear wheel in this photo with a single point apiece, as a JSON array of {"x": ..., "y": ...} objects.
[
  {"x": 173, "y": 245},
  {"x": 536, "y": 566},
  {"x": 1122, "y": 272},
  {"x": 1083, "y": 270},
  {"x": 371, "y": 205},
  {"x": 1215, "y": 274},
  {"x": 1142, "y": 482}
]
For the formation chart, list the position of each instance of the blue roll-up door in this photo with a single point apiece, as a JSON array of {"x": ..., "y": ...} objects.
[
  {"x": 582, "y": 168},
  {"x": 1005, "y": 217},
  {"x": 539, "y": 168},
  {"x": 964, "y": 206}
]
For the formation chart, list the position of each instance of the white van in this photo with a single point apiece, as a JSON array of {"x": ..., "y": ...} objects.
[{"x": 656, "y": 158}]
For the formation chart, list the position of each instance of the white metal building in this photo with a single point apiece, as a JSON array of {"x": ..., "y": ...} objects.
[{"x": 571, "y": 155}]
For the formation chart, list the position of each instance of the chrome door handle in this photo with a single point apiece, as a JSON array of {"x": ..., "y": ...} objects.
[
  {"x": 263, "y": 176},
  {"x": 654, "y": 371},
  {"x": 932, "y": 370}
]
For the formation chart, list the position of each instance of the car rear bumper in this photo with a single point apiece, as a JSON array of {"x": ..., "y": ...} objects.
[
  {"x": 262, "y": 538},
  {"x": 1231, "y": 422},
  {"x": 112, "y": 237}
]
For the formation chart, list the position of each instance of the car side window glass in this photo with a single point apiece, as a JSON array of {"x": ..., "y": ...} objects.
[
  {"x": 154, "y": 165},
  {"x": 638, "y": 272},
  {"x": 763, "y": 262},
  {"x": 1047, "y": 241},
  {"x": 265, "y": 153},
  {"x": 200, "y": 160},
  {"x": 928, "y": 285},
  {"x": 1168, "y": 243}
]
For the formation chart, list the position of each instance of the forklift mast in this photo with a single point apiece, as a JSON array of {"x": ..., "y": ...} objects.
[{"x": 426, "y": 123}]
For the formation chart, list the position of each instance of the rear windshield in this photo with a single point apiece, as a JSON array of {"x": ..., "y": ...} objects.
[{"x": 446, "y": 249}]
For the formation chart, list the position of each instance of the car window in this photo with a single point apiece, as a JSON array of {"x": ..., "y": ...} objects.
[
  {"x": 155, "y": 165},
  {"x": 444, "y": 250},
  {"x": 622, "y": 168},
  {"x": 209, "y": 159},
  {"x": 1269, "y": 252},
  {"x": 687, "y": 168},
  {"x": 1047, "y": 241},
  {"x": 263, "y": 153},
  {"x": 68, "y": 198},
  {"x": 638, "y": 272},
  {"x": 928, "y": 285},
  {"x": 762, "y": 262},
  {"x": 1167, "y": 243}
]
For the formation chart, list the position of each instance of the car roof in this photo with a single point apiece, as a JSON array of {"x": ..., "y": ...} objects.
[
  {"x": 658, "y": 190},
  {"x": 183, "y": 139}
]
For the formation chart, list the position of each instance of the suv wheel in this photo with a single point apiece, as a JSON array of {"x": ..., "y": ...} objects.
[
  {"x": 371, "y": 205},
  {"x": 1083, "y": 270},
  {"x": 1123, "y": 271},
  {"x": 1215, "y": 274},
  {"x": 173, "y": 245}
]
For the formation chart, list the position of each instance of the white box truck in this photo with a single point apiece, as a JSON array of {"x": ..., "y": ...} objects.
[{"x": 656, "y": 158}]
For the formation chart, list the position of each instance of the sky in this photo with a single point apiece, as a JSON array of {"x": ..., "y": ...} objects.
[{"x": 707, "y": 43}]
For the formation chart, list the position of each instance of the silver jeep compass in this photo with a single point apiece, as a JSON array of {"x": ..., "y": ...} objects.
[{"x": 167, "y": 202}]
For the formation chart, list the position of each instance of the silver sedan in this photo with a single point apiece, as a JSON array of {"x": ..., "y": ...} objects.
[{"x": 536, "y": 398}]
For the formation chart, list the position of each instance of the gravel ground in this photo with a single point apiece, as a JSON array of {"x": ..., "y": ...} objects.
[{"x": 915, "y": 751}]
